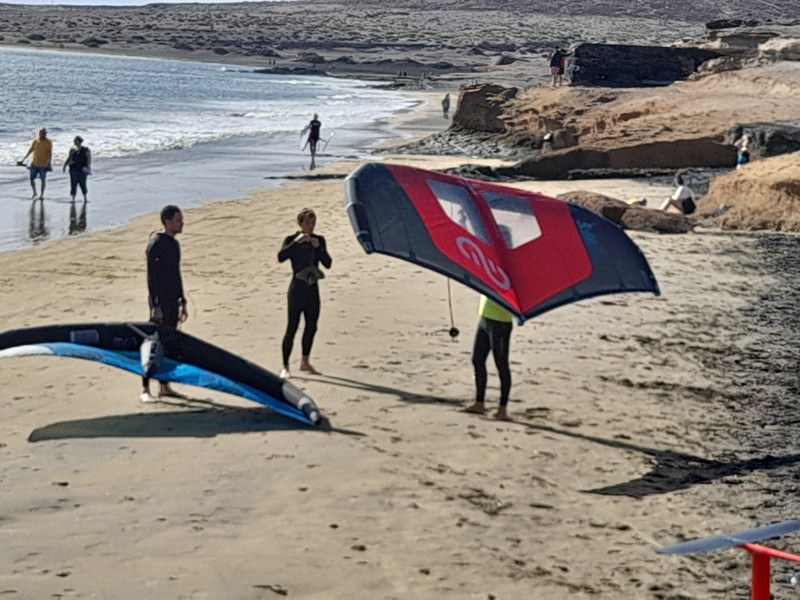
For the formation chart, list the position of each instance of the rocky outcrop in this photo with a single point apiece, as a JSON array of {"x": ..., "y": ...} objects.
[
  {"x": 481, "y": 106},
  {"x": 769, "y": 139},
  {"x": 621, "y": 65},
  {"x": 663, "y": 155},
  {"x": 636, "y": 218},
  {"x": 763, "y": 195}
]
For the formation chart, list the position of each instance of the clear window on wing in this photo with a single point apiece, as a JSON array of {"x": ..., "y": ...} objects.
[
  {"x": 514, "y": 216},
  {"x": 459, "y": 207}
]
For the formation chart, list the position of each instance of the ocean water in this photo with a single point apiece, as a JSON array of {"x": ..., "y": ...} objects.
[{"x": 164, "y": 131}]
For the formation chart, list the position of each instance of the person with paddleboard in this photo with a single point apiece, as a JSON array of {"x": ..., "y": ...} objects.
[
  {"x": 313, "y": 130},
  {"x": 493, "y": 335},
  {"x": 79, "y": 162},
  {"x": 306, "y": 250},
  {"x": 165, "y": 286},
  {"x": 41, "y": 163}
]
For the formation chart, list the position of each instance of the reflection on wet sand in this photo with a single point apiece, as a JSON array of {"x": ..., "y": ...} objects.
[
  {"x": 77, "y": 220},
  {"x": 37, "y": 228}
]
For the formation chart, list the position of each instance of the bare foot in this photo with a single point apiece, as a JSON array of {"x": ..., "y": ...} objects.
[
  {"x": 168, "y": 392},
  {"x": 146, "y": 397},
  {"x": 475, "y": 409},
  {"x": 308, "y": 368},
  {"x": 501, "y": 415}
]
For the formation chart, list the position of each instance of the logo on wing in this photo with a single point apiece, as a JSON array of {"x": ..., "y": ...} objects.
[{"x": 473, "y": 252}]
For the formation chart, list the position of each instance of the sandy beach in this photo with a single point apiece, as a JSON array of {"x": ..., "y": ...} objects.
[
  {"x": 640, "y": 421},
  {"x": 635, "y": 427}
]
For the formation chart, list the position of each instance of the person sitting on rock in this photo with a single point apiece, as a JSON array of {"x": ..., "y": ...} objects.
[{"x": 682, "y": 199}]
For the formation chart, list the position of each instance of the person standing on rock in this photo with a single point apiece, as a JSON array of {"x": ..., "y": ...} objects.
[
  {"x": 446, "y": 106},
  {"x": 743, "y": 147},
  {"x": 682, "y": 199},
  {"x": 556, "y": 66}
]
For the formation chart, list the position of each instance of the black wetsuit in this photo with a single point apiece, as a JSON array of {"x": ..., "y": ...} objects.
[
  {"x": 494, "y": 336},
  {"x": 164, "y": 282},
  {"x": 303, "y": 297},
  {"x": 315, "y": 125},
  {"x": 77, "y": 160}
]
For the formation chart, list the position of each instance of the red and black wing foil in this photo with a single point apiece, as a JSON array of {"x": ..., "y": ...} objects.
[{"x": 528, "y": 252}]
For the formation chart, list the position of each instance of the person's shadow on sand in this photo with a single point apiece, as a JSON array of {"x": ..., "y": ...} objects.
[
  {"x": 673, "y": 470},
  {"x": 198, "y": 418}
]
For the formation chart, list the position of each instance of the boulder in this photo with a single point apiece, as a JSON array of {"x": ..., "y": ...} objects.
[
  {"x": 501, "y": 60},
  {"x": 309, "y": 57},
  {"x": 480, "y": 107},
  {"x": 625, "y": 65},
  {"x": 636, "y": 218},
  {"x": 769, "y": 139}
]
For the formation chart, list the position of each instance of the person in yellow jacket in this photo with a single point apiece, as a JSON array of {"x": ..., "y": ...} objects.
[
  {"x": 493, "y": 335},
  {"x": 42, "y": 150}
]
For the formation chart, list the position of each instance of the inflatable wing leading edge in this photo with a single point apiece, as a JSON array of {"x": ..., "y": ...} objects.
[
  {"x": 186, "y": 359},
  {"x": 528, "y": 252}
]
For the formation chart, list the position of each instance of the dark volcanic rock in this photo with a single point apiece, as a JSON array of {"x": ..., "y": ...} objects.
[
  {"x": 769, "y": 139},
  {"x": 620, "y": 65}
]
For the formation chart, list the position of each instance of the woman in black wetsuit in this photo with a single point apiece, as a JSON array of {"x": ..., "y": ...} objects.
[{"x": 306, "y": 250}]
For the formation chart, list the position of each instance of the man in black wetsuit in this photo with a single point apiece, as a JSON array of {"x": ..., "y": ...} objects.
[
  {"x": 314, "y": 126},
  {"x": 165, "y": 286},
  {"x": 306, "y": 250}
]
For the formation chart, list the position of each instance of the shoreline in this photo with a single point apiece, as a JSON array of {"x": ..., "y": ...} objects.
[{"x": 130, "y": 185}]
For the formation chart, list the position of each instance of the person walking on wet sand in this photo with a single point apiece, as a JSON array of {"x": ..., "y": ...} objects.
[
  {"x": 165, "y": 286},
  {"x": 313, "y": 128},
  {"x": 493, "y": 335},
  {"x": 446, "y": 106},
  {"x": 79, "y": 162},
  {"x": 42, "y": 150},
  {"x": 306, "y": 250}
]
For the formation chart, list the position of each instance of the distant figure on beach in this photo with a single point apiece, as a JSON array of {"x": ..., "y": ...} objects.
[
  {"x": 562, "y": 67},
  {"x": 446, "y": 106},
  {"x": 41, "y": 164},
  {"x": 493, "y": 335},
  {"x": 165, "y": 286},
  {"x": 743, "y": 148},
  {"x": 306, "y": 250},
  {"x": 313, "y": 129},
  {"x": 557, "y": 62},
  {"x": 683, "y": 198},
  {"x": 79, "y": 162}
]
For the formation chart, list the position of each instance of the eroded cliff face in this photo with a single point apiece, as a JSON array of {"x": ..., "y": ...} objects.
[{"x": 481, "y": 107}]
